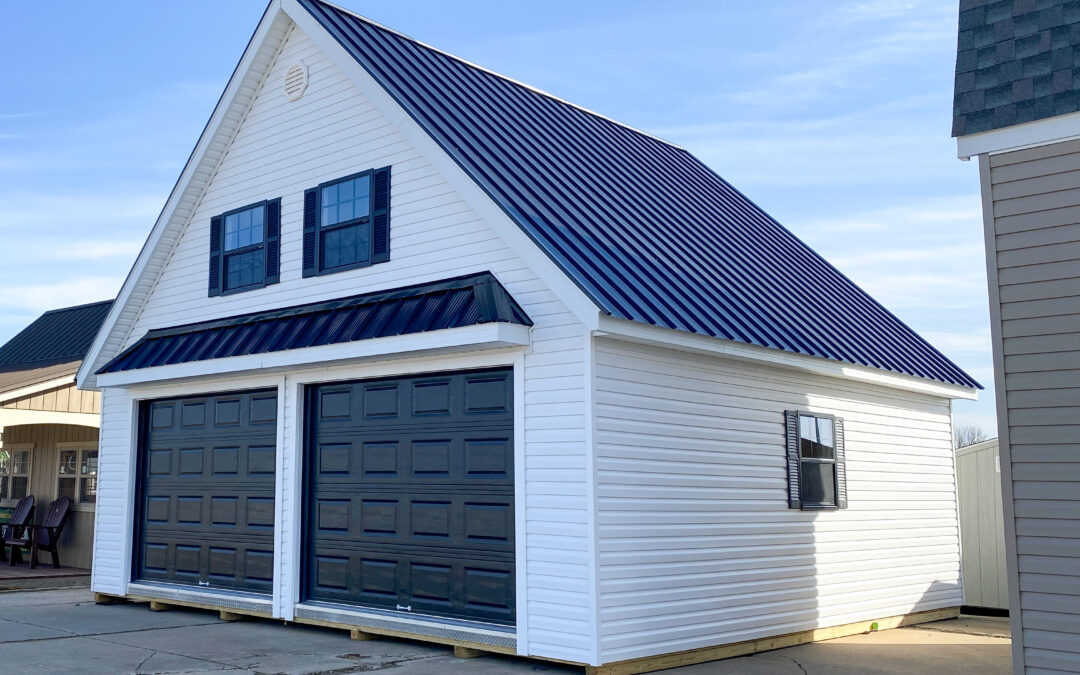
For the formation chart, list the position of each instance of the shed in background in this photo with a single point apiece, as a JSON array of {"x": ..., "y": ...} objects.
[{"x": 982, "y": 526}]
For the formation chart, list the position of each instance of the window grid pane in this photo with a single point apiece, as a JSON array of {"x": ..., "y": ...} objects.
[
  {"x": 66, "y": 488},
  {"x": 244, "y": 269},
  {"x": 19, "y": 485},
  {"x": 344, "y": 201},
  {"x": 244, "y": 228},
  {"x": 816, "y": 437},
  {"x": 347, "y": 245}
]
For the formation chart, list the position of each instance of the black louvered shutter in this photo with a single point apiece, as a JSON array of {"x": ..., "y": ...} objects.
[
  {"x": 214, "y": 277},
  {"x": 311, "y": 226},
  {"x": 380, "y": 216},
  {"x": 841, "y": 468},
  {"x": 791, "y": 419},
  {"x": 273, "y": 241}
]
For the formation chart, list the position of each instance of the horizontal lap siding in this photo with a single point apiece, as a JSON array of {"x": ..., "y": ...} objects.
[
  {"x": 284, "y": 147},
  {"x": 697, "y": 546},
  {"x": 1036, "y": 208},
  {"x": 115, "y": 494}
]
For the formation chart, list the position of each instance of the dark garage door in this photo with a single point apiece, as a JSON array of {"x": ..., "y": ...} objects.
[
  {"x": 410, "y": 485},
  {"x": 207, "y": 490}
]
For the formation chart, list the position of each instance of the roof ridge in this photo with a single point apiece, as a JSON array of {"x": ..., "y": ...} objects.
[
  {"x": 501, "y": 76},
  {"x": 83, "y": 306}
]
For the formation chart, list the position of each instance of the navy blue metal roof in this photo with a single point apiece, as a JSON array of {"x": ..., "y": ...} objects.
[
  {"x": 453, "y": 303},
  {"x": 646, "y": 230},
  {"x": 57, "y": 336}
]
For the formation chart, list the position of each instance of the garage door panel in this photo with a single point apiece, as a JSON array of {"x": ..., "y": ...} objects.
[
  {"x": 426, "y": 583},
  {"x": 425, "y": 519},
  {"x": 448, "y": 457},
  {"x": 207, "y": 487},
  {"x": 411, "y": 494}
]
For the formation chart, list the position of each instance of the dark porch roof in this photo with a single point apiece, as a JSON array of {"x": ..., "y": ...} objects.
[{"x": 452, "y": 303}]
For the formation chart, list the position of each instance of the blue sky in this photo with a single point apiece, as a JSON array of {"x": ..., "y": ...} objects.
[{"x": 833, "y": 116}]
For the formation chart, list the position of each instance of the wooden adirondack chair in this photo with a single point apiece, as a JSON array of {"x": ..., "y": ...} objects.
[
  {"x": 46, "y": 536},
  {"x": 15, "y": 529}
]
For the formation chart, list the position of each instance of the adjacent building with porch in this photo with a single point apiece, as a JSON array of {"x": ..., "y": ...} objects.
[{"x": 49, "y": 426}]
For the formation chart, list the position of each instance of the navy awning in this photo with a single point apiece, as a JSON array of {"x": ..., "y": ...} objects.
[{"x": 451, "y": 303}]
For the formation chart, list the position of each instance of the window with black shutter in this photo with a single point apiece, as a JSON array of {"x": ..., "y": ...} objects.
[
  {"x": 245, "y": 248},
  {"x": 347, "y": 223},
  {"x": 817, "y": 475}
]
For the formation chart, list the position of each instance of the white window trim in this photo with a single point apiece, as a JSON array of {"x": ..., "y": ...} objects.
[
  {"x": 13, "y": 447},
  {"x": 76, "y": 505}
]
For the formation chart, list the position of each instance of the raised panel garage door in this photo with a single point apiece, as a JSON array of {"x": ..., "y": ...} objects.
[
  {"x": 206, "y": 491},
  {"x": 410, "y": 485}
]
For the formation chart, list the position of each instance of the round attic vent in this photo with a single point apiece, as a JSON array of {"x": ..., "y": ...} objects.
[{"x": 295, "y": 81}]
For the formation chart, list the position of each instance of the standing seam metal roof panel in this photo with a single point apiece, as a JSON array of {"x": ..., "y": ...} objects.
[
  {"x": 645, "y": 229},
  {"x": 57, "y": 336},
  {"x": 452, "y": 303}
]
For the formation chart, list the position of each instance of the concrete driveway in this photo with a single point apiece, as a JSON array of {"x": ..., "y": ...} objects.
[{"x": 64, "y": 631}]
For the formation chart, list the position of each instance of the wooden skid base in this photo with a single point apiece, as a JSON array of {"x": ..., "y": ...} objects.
[
  {"x": 650, "y": 664},
  {"x": 370, "y": 633},
  {"x": 467, "y": 650},
  {"x": 159, "y": 605}
]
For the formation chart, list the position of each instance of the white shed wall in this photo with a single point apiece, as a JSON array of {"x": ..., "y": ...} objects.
[
  {"x": 697, "y": 546},
  {"x": 282, "y": 148}
]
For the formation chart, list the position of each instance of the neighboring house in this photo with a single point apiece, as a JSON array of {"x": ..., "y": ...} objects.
[
  {"x": 50, "y": 428},
  {"x": 982, "y": 530},
  {"x": 1016, "y": 111},
  {"x": 415, "y": 348}
]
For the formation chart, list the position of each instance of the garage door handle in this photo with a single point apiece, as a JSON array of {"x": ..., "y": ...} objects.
[{"x": 407, "y": 608}]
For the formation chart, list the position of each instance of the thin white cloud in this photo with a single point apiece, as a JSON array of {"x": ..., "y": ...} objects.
[{"x": 41, "y": 297}]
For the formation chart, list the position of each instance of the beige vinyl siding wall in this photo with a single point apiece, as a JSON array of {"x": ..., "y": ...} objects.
[
  {"x": 282, "y": 148},
  {"x": 982, "y": 528},
  {"x": 62, "y": 399},
  {"x": 76, "y": 542},
  {"x": 697, "y": 545},
  {"x": 1035, "y": 242}
]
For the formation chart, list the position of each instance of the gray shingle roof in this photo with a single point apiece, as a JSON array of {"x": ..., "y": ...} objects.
[{"x": 1016, "y": 61}]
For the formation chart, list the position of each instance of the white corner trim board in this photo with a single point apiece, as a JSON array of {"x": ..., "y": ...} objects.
[
  {"x": 480, "y": 336},
  {"x": 1030, "y": 134},
  {"x": 635, "y": 332}
]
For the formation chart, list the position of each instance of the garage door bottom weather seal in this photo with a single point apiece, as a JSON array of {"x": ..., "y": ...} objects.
[
  {"x": 466, "y": 631},
  {"x": 251, "y": 602}
]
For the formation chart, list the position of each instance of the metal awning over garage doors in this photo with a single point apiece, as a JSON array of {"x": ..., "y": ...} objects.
[
  {"x": 206, "y": 491},
  {"x": 410, "y": 494}
]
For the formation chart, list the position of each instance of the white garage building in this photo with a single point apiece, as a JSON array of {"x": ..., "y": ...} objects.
[{"x": 415, "y": 348}]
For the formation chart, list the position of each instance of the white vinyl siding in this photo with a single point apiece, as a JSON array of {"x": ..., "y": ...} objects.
[
  {"x": 697, "y": 545},
  {"x": 1035, "y": 253},
  {"x": 282, "y": 148},
  {"x": 113, "y": 511}
]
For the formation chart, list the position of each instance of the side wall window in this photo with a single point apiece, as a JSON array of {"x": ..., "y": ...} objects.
[
  {"x": 14, "y": 472},
  {"x": 245, "y": 248},
  {"x": 77, "y": 475},
  {"x": 817, "y": 474},
  {"x": 347, "y": 223}
]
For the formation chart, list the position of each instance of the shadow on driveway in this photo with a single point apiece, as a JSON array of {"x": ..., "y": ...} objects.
[{"x": 64, "y": 631}]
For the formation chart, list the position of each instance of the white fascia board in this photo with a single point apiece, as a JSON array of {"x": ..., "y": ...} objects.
[
  {"x": 1020, "y": 136},
  {"x": 674, "y": 339},
  {"x": 469, "y": 338},
  {"x": 194, "y": 177},
  {"x": 37, "y": 388},
  {"x": 510, "y": 232},
  {"x": 10, "y": 417}
]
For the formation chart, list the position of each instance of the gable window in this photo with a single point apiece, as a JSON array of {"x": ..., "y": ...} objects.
[
  {"x": 244, "y": 248},
  {"x": 14, "y": 472},
  {"x": 346, "y": 223},
  {"x": 77, "y": 475},
  {"x": 817, "y": 475}
]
